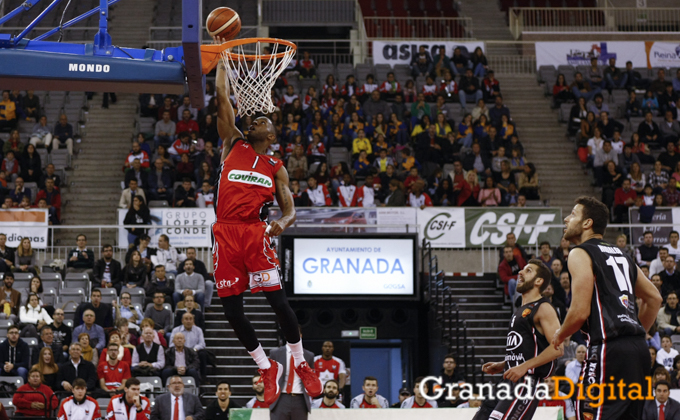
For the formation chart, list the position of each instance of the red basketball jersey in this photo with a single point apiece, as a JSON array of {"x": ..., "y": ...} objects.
[{"x": 246, "y": 184}]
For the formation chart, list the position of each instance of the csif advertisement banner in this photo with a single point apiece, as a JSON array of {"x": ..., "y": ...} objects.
[
  {"x": 402, "y": 51},
  {"x": 445, "y": 227},
  {"x": 19, "y": 223},
  {"x": 184, "y": 226},
  {"x": 451, "y": 227}
]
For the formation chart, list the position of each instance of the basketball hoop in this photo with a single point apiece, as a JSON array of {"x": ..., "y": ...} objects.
[{"x": 251, "y": 72}]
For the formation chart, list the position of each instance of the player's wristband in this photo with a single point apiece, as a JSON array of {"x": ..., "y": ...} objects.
[{"x": 269, "y": 228}]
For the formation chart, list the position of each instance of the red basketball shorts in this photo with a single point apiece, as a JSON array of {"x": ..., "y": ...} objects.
[{"x": 244, "y": 257}]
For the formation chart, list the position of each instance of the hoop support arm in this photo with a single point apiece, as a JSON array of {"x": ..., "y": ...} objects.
[
  {"x": 37, "y": 20},
  {"x": 24, "y": 7},
  {"x": 72, "y": 21}
]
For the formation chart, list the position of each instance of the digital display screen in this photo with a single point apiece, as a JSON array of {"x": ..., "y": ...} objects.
[{"x": 353, "y": 266}]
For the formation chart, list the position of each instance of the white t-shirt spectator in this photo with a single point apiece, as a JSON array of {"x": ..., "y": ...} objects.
[
  {"x": 595, "y": 145},
  {"x": 675, "y": 252},
  {"x": 665, "y": 358}
]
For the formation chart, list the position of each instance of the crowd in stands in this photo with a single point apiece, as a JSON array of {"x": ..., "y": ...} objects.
[
  {"x": 21, "y": 162},
  {"x": 639, "y": 169},
  {"x": 398, "y": 145},
  {"x": 109, "y": 343}
]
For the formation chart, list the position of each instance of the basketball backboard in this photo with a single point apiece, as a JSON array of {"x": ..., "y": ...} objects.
[{"x": 39, "y": 64}]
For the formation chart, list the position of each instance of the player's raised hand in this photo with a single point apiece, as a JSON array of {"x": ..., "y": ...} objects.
[
  {"x": 218, "y": 40},
  {"x": 275, "y": 228}
]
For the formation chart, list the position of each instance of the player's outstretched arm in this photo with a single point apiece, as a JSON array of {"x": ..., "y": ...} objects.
[
  {"x": 226, "y": 120},
  {"x": 651, "y": 300},
  {"x": 285, "y": 200},
  {"x": 582, "y": 285},
  {"x": 547, "y": 321}
]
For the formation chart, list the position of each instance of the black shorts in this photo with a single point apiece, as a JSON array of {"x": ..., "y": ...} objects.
[
  {"x": 511, "y": 409},
  {"x": 623, "y": 358}
]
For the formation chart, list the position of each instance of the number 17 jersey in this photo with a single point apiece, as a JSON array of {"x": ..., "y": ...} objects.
[
  {"x": 246, "y": 185},
  {"x": 613, "y": 311}
]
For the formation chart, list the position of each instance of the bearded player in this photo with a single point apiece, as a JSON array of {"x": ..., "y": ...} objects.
[
  {"x": 243, "y": 254},
  {"x": 529, "y": 357},
  {"x": 604, "y": 285}
]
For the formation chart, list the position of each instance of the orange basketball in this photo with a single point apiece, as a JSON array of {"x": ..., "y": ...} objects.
[{"x": 223, "y": 22}]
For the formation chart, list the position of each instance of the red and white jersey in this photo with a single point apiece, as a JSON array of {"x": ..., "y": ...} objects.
[
  {"x": 290, "y": 98},
  {"x": 255, "y": 403},
  {"x": 246, "y": 184},
  {"x": 87, "y": 410},
  {"x": 347, "y": 196},
  {"x": 319, "y": 196},
  {"x": 308, "y": 64},
  {"x": 387, "y": 87},
  {"x": 328, "y": 103},
  {"x": 367, "y": 88},
  {"x": 450, "y": 87},
  {"x": 117, "y": 410},
  {"x": 429, "y": 90},
  {"x": 179, "y": 148},
  {"x": 274, "y": 147},
  {"x": 335, "y": 88},
  {"x": 329, "y": 369},
  {"x": 320, "y": 404},
  {"x": 142, "y": 156},
  {"x": 316, "y": 150},
  {"x": 360, "y": 402},
  {"x": 209, "y": 197},
  {"x": 366, "y": 196},
  {"x": 410, "y": 402},
  {"x": 423, "y": 200},
  {"x": 307, "y": 102},
  {"x": 113, "y": 375}
]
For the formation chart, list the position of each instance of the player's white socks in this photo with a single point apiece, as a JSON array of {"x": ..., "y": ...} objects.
[
  {"x": 260, "y": 358},
  {"x": 298, "y": 352}
]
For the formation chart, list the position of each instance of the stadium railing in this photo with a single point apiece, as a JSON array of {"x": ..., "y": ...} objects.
[
  {"x": 588, "y": 19},
  {"x": 447, "y": 313}
]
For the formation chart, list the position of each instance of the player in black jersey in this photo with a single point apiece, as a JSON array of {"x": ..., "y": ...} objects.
[
  {"x": 529, "y": 357},
  {"x": 604, "y": 285}
]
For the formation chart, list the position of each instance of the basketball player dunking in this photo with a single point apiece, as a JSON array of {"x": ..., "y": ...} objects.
[
  {"x": 243, "y": 253},
  {"x": 528, "y": 355},
  {"x": 604, "y": 285}
]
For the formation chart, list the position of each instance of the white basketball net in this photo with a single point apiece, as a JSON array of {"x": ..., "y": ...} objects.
[{"x": 253, "y": 80}]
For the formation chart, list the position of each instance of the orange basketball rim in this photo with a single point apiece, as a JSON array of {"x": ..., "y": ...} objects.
[{"x": 211, "y": 54}]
